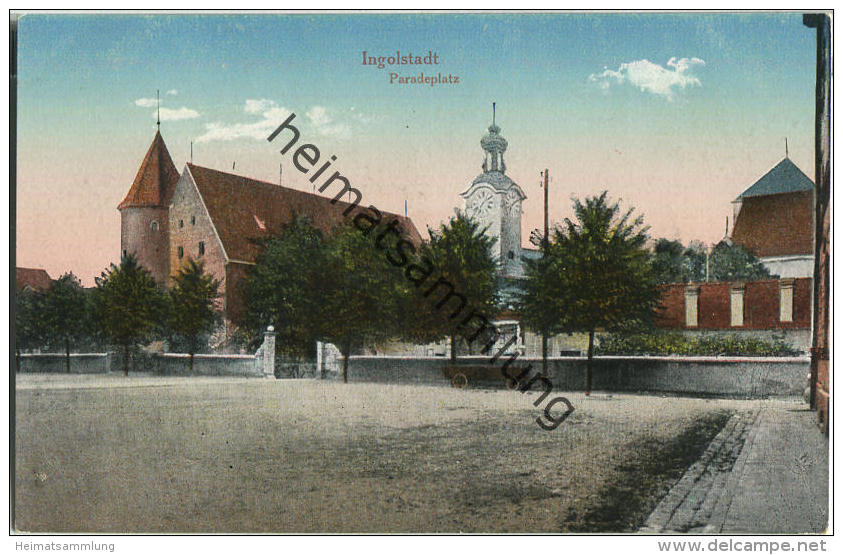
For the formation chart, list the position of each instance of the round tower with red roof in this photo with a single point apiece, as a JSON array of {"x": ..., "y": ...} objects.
[{"x": 144, "y": 212}]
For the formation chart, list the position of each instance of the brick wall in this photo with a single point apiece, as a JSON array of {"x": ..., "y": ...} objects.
[
  {"x": 189, "y": 224},
  {"x": 761, "y": 306}
]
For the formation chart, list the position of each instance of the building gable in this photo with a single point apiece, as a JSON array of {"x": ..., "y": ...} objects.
[{"x": 192, "y": 231}]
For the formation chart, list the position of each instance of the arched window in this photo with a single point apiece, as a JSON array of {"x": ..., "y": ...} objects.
[{"x": 153, "y": 226}]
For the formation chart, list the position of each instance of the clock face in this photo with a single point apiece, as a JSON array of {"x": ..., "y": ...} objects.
[
  {"x": 513, "y": 201},
  {"x": 481, "y": 203}
]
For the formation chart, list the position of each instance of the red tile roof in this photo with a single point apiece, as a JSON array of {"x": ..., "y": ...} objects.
[
  {"x": 34, "y": 278},
  {"x": 156, "y": 179},
  {"x": 776, "y": 225},
  {"x": 243, "y": 209}
]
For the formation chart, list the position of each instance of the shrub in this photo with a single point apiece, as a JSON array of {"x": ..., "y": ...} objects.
[{"x": 673, "y": 343}]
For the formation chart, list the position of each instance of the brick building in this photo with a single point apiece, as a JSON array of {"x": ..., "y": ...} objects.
[
  {"x": 773, "y": 219},
  {"x": 763, "y": 308},
  {"x": 33, "y": 279},
  {"x": 214, "y": 216}
]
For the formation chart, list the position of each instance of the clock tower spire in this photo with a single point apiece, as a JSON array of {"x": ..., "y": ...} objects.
[{"x": 494, "y": 200}]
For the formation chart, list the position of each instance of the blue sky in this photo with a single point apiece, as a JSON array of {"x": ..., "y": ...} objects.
[{"x": 675, "y": 114}]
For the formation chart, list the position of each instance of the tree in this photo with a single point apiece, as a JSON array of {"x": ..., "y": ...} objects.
[
  {"x": 65, "y": 313},
  {"x": 284, "y": 287},
  {"x": 459, "y": 256},
  {"x": 192, "y": 310},
  {"x": 29, "y": 323},
  {"x": 128, "y": 305},
  {"x": 540, "y": 286},
  {"x": 675, "y": 263},
  {"x": 733, "y": 262},
  {"x": 599, "y": 273},
  {"x": 361, "y": 294}
]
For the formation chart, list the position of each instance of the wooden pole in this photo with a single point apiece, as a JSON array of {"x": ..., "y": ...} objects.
[
  {"x": 820, "y": 393},
  {"x": 545, "y": 245}
]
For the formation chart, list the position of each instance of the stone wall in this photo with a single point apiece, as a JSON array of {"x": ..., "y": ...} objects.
[
  {"x": 178, "y": 364},
  {"x": 728, "y": 376},
  {"x": 80, "y": 363}
]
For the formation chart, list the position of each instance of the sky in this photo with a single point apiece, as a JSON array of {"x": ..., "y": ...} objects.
[{"x": 672, "y": 114}]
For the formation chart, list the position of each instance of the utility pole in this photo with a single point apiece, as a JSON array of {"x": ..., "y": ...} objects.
[
  {"x": 545, "y": 249},
  {"x": 820, "y": 386},
  {"x": 546, "y": 236}
]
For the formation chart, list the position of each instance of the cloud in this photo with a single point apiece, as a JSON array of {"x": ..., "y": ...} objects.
[
  {"x": 324, "y": 123},
  {"x": 271, "y": 116},
  {"x": 652, "y": 78},
  {"x": 168, "y": 114},
  {"x": 258, "y": 106},
  {"x": 172, "y": 92}
]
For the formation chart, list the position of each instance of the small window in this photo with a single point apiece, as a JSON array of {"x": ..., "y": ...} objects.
[
  {"x": 154, "y": 225},
  {"x": 786, "y": 300},
  {"x": 193, "y": 220},
  {"x": 692, "y": 297},
  {"x": 511, "y": 255},
  {"x": 124, "y": 253},
  {"x": 180, "y": 251},
  {"x": 201, "y": 248},
  {"x": 181, "y": 223},
  {"x": 736, "y": 305}
]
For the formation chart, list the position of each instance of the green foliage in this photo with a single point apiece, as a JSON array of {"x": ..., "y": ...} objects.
[
  {"x": 672, "y": 343},
  {"x": 285, "y": 288},
  {"x": 460, "y": 261},
  {"x": 192, "y": 305},
  {"x": 128, "y": 305},
  {"x": 733, "y": 262},
  {"x": 362, "y": 293},
  {"x": 596, "y": 273},
  {"x": 64, "y": 306},
  {"x": 64, "y": 315},
  {"x": 29, "y": 325},
  {"x": 674, "y": 263}
]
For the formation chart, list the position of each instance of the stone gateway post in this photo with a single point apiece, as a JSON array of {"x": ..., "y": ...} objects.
[{"x": 268, "y": 352}]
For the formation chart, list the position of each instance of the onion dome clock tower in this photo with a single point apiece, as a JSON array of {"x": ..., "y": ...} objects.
[{"x": 494, "y": 200}]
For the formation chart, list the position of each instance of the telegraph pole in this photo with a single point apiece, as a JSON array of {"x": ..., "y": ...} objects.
[
  {"x": 820, "y": 386},
  {"x": 546, "y": 236},
  {"x": 545, "y": 249}
]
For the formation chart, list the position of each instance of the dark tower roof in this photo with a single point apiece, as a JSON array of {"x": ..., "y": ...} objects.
[
  {"x": 156, "y": 179},
  {"x": 785, "y": 177}
]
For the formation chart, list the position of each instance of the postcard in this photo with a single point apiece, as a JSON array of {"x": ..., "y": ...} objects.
[{"x": 422, "y": 273}]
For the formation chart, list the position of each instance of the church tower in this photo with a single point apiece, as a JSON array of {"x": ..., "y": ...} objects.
[
  {"x": 494, "y": 200},
  {"x": 144, "y": 213}
]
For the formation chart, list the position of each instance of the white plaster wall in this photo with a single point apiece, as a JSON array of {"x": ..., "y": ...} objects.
[{"x": 790, "y": 266}]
